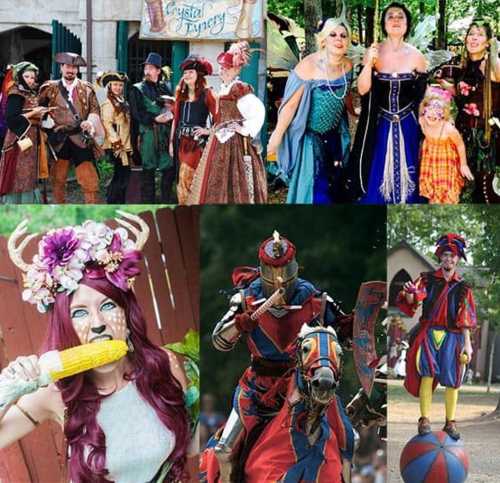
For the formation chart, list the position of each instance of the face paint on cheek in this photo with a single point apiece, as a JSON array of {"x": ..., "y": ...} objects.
[
  {"x": 81, "y": 329},
  {"x": 117, "y": 323}
]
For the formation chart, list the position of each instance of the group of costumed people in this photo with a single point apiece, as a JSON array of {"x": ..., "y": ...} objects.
[
  {"x": 110, "y": 411},
  {"x": 204, "y": 140},
  {"x": 407, "y": 147}
]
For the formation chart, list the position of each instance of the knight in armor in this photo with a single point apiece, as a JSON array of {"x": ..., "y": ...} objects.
[
  {"x": 268, "y": 308},
  {"x": 194, "y": 104},
  {"x": 74, "y": 128},
  {"x": 149, "y": 106},
  {"x": 440, "y": 347}
]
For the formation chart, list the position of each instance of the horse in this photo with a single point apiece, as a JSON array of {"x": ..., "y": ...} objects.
[{"x": 310, "y": 438}]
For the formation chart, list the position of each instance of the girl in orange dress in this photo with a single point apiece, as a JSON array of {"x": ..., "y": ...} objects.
[{"x": 443, "y": 164}]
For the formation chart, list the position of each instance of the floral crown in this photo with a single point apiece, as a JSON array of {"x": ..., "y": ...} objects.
[{"x": 66, "y": 254}]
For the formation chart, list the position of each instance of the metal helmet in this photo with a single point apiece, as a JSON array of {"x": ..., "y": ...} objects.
[{"x": 278, "y": 267}]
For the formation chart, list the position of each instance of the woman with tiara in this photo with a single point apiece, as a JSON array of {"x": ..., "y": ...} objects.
[
  {"x": 386, "y": 147},
  {"x": 312, "y": 133}
]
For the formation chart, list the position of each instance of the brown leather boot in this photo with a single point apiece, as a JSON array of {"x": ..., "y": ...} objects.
[
  {"x": 87, "y": 178},
  {"x": 424, "y": 426},
  {"x": 450, "y": 428},
  {"x": 58, "y": 177}
]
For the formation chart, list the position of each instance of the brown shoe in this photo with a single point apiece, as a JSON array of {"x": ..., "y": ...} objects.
[
  {"x": 451, "y": 429},
  {"x": 424, "y": 426}
]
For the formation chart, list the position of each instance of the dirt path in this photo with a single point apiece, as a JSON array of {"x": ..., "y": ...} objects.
[{"x": 481, "y": 436}]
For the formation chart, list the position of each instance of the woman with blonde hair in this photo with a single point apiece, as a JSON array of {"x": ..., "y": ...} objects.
[{"x": 312, "y": 133}]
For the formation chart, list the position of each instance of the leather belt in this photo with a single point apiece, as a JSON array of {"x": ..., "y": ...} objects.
[{"x": 397, "y": 116}]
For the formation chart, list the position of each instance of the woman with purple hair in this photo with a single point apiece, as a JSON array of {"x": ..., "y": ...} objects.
[{"x": 125, "y": 421}]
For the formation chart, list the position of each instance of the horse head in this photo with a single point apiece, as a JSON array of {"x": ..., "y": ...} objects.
[{"x": 319, "y": 363}]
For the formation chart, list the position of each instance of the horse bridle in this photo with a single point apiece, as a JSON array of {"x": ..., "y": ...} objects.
[{"x": 303, "y": 370}]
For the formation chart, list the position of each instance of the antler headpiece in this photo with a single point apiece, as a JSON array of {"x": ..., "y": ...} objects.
[{"x": 66, "y": 254}]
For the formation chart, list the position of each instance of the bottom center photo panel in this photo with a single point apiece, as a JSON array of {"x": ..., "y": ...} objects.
[{"x": 293, "y": 344}]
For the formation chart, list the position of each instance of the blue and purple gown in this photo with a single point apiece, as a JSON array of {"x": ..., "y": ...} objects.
[{"x": 385, "y": 154}]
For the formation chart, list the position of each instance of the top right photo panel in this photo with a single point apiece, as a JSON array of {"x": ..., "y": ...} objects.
[{"x": 378, "y": 102}]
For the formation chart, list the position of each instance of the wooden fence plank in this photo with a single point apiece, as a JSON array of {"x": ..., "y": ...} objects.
[
  {"x": 184, "y": 316},
  {"x": 188, "y": 228},
  {"x": 157, "y": 270}
]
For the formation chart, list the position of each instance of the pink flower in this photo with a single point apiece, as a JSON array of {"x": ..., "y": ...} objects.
[
  {"x": 472, "y": 109},
  {"x": 464, "y": 88},
  {"x": 118, "y": 264}
]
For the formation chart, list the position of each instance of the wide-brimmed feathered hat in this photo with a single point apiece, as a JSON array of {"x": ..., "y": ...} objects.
[
  {"x": 238, "y": 55},
  {"x": 197, "y": 63},
  {"x": 453, "y": 243},
  {"x": 66, "y": 255}
]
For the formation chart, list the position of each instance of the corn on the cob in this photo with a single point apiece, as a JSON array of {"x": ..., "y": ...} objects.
[{"x": 59, "y": 364}]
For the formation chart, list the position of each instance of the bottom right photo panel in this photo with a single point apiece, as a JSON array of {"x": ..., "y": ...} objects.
[{"x": 443, "y": 328}]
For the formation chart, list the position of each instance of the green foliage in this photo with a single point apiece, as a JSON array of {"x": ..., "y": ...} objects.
[
  {"x": 293, "y": 9},
  {"x": 338, "y": 248},
  {"x": 189, "y": 347},
  {"x": 46, "y": 217},
  {"x": 455, "y": 10},
  {"x": 480, "y": 225}
]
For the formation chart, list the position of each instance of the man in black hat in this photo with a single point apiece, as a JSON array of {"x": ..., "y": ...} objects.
[
  {"x": 149, "y": 109},
  {"x": 76, "y": 122}
]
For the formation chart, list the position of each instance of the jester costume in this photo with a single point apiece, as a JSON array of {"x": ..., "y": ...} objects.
[
  {"x": 261, "y": 390},
  {"x": 436, "y": 346}
]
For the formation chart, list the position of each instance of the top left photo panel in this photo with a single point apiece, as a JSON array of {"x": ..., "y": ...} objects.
[{"x": 132, "y": 102}]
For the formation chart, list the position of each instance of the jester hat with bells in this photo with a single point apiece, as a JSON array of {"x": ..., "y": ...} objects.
[{"x": 66, "y": 254}]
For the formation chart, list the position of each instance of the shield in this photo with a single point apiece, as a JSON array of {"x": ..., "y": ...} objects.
[{"x": 371, "y": 297}]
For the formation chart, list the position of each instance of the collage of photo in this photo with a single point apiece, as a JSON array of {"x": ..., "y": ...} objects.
[{"x": 249, "y": 241}]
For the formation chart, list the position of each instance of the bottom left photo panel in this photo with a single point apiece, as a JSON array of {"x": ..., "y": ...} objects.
[{"x": 99, "y": 344}]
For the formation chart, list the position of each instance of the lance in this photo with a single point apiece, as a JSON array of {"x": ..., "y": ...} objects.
[{"x": 275, "y": 296}]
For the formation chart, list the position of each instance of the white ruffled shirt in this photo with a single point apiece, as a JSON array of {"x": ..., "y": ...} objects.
[
  {"x": 251, "y": 108},
  {"x": 70, "y": 87}
]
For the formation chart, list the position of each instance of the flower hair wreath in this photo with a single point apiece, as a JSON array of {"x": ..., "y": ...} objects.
[{"x": 66, "y": 254}]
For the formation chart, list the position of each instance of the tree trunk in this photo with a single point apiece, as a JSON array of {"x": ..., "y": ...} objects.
[
  {"x": 441, "y": 39},
  {"x": 370, "y": 12},
  {"x": 421, "y": 8},
  {"x": 313, "y": 13},
  {"x": 492, "y": 358},
  {"x": 360, "y": 23}
]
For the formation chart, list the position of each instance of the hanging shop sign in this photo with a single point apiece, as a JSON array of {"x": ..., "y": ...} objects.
[{"x": 202, "y": 19}]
